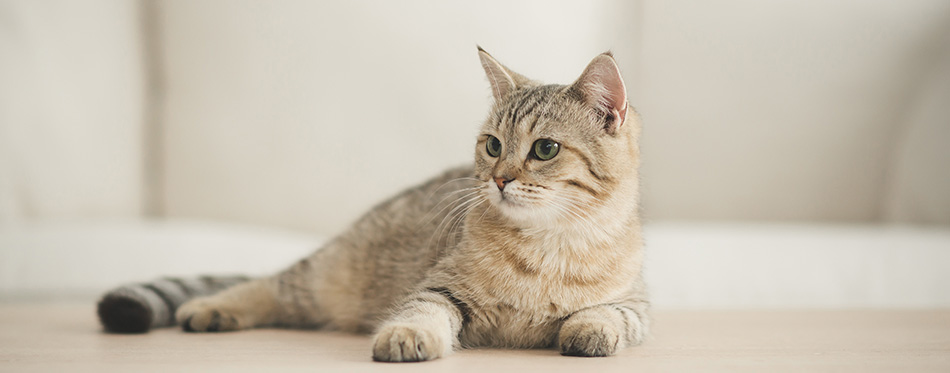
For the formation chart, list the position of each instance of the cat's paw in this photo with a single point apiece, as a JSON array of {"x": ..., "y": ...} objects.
[
  {"x": 408, "y": 342},
  {"x": 588, "y": 339},
  {"x": 203, "y": 315}
]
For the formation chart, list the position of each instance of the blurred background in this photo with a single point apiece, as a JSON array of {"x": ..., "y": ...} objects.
[{"x": 795, "y": 153}]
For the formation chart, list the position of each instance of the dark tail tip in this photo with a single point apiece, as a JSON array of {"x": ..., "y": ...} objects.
[{"x": 123, "y": 314}]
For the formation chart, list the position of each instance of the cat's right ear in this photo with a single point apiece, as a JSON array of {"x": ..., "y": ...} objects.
[
  {"x": 503, "y": 81},
  {"x": 602, "y": 87}
]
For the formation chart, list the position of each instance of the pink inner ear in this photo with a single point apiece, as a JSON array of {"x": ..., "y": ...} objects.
[
  {"x": 617, "y": 119},
  {"x": 604, "y": 89}
]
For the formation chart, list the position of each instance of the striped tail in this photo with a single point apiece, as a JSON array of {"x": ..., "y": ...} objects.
[{"x": 136, "y": 308}]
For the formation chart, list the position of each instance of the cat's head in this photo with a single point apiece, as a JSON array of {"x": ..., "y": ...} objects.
[{"x": 558, "y": 152}]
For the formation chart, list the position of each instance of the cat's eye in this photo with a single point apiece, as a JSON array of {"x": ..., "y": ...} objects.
[
  {"x": 545, "y": 149},
  {"x": 493, "y": 146}
]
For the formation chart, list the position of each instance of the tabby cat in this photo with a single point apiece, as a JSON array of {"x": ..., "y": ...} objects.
[{"x": 538, "y": 245}]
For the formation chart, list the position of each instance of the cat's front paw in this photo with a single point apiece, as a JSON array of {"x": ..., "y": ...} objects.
[
  {"x": 408, "y": 342},
  {"x": 588, "y": 339},
  {"x": 203, "y": 315}
]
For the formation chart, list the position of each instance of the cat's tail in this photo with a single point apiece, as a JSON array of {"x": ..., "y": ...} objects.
[{"x": 136, "y": 308}]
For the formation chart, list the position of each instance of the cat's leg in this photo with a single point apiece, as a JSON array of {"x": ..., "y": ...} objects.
[
  {"x": 604, "y": 329},
  {"x": 243, "y": 306},
  {"x": 425, "y": 327}
]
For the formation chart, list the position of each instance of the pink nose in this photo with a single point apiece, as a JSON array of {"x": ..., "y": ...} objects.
[{"x": 501, "y": 182}]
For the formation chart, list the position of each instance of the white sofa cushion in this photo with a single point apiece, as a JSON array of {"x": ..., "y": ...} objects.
[
  {"x": 54, "y": 259},
  {"x": 728, "y": 265},
  {"x": 689, "y": 265}
]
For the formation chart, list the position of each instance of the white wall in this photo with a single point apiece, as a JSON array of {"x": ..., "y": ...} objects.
[
  {"x": 71, "y": 106},
  {"x": 789, "y": 110},
  {"x": 305, "y": 114},
  {"x": 919, "y": 189}
]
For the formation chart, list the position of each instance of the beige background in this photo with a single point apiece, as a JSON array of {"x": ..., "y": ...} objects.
[
  {"x": 148, "y": 138},
  {"x": 71, "y": 110},
  {"x": 304, "y": 114}
]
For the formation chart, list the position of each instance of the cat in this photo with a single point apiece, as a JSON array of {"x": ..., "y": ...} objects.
[{"x": 536, "y": 245}]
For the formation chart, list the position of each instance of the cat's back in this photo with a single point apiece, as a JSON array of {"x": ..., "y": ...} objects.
[
  {"x": 413, "y": 227},
  {"x": 436, "y": 206}
]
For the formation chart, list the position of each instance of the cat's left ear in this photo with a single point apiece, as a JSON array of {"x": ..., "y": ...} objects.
[
  {"x": 602, "y": 88},
  {"x": 503, "y": 80}
]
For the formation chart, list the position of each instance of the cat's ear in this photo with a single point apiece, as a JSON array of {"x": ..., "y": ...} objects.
[
  {"x": 503, "y": 81},
  {"x": 602, "y": 88}
]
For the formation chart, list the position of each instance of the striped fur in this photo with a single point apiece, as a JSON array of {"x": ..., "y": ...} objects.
[
  {"x": 136, "y": 308},
  {"x": 551, "y": 257}
]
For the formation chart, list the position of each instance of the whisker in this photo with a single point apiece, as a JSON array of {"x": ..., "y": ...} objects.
[
  {"x": 455, "y": 213},
  {"x": 453, "y": 223},
  {"x": 430, "y": 215},
  {"x": 447, "y": 183}
]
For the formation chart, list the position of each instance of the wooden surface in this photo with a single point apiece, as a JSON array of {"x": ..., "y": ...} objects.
[{"x": 66, "y": 337}]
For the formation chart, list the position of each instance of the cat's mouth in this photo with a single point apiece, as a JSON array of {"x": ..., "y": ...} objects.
[
  {"x": 514, "y": 208},
  {"x": 508, "y": 200},
  {"x": 513, "y": 199}
]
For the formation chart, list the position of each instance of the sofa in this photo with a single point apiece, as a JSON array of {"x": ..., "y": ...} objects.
[{"x": 794, "y": 155}]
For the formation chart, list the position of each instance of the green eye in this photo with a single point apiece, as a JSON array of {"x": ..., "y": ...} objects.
[
  {"x": 493, "y": 146},
  {"x": 545, "y": 149}
]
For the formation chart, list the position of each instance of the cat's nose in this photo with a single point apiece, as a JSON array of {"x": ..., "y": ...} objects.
[{"x": 501, "y": 182}]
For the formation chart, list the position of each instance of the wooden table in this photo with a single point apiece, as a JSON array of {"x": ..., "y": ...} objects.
[{"x": 66, "y": 337}]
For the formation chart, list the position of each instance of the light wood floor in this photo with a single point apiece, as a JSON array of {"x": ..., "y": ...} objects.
[{"x": 66, "y": 337}]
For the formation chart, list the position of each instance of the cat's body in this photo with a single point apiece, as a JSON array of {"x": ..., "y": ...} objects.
[{"x": 520, "y": 251}]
